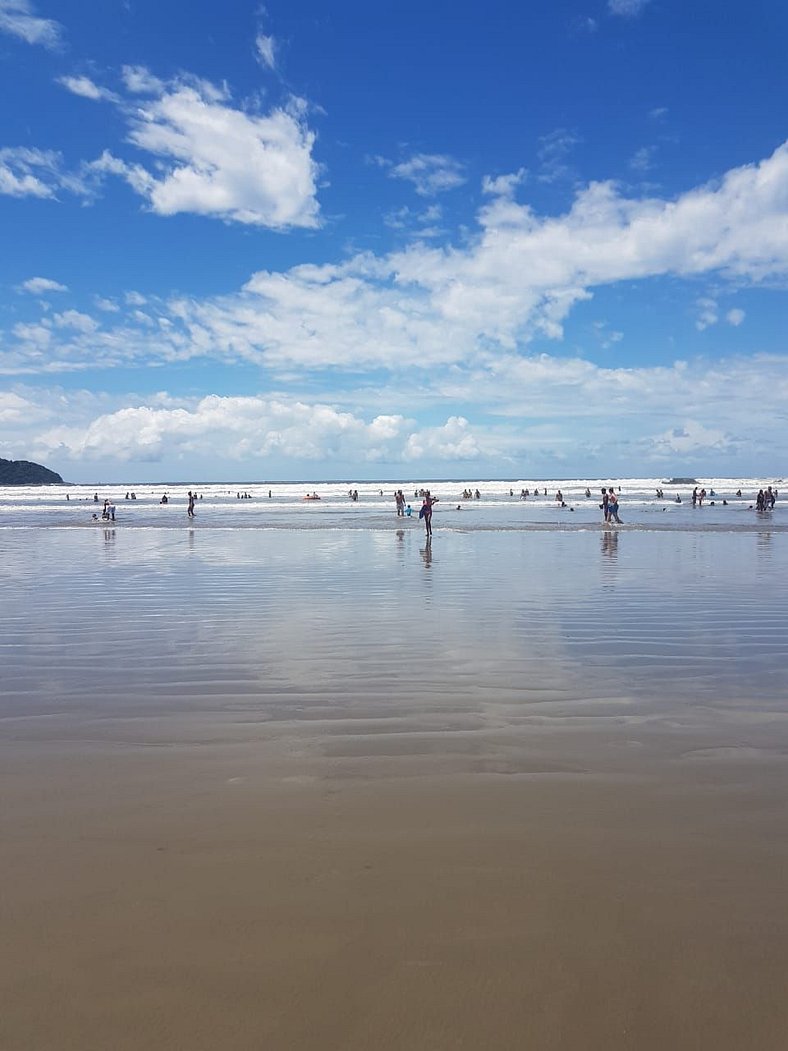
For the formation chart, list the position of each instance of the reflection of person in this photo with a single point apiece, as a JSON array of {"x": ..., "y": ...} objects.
[{"x": 610, "y": 543}]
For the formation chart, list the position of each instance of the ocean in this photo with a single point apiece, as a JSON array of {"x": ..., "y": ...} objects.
[{"x": 499, "y": 505}]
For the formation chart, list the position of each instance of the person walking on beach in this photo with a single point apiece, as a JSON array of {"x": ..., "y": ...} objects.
[
  {"x": 426, "y": 511},
  {"x": 612, "y": 507},
  {"x": 190, "y": 508},
  {"x": 604, "y": 506}
]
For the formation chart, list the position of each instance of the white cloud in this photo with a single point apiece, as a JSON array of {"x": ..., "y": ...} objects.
[
  {"x": 16, "y": 410},
  {"x": 708, "y": 313},
  {"x": 18, "y": 19},
  {"x": 735, "y": 317},
  {"x": 553, "y": 153},
  {"x": 236, "y": 428},
  {"x": 17, "y": 166},
  {"x": 265, "y": 49},
  {"x": 140, "y": 81},
  {"x": 453, "y": 441},
  {"x": 421, "y": 224},
  {"x": 85, "y": 88},
  {"x": 692, "y": 438},
  {"x": 73, "y": 319},
  {"x": 430, "y": 173},
  {"x": 504, "y": 185},
  {"x": 607, "y": 337},
  {"x": 515, "y": 280},
  {"x": 627, "y": 8},
  {"x": 215, "y": 160},
  {"x": 29, "y": 172},
  {"x": 539, "y": 407},
  {"x": 643, "y": 159},
  {"x": 40, "y": 285}
]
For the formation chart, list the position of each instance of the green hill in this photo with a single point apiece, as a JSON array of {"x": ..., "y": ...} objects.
[{"x": 23, "y": 472}]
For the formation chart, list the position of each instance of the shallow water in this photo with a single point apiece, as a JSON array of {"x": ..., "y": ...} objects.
[
  {"x": 298, "y": 788},
  {"x": 484, "y": 630}
]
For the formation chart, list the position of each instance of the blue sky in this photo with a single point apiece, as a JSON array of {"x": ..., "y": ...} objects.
[{"x": 394, "y": 240}]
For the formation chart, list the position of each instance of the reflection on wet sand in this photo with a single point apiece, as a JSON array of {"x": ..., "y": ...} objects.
[{"x": 254, "y": 797}]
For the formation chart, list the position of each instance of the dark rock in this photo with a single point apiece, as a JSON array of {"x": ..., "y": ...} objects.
[{"x": 23, "y": 472}]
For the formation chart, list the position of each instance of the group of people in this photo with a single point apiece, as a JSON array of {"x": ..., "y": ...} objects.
[
  {"x": 404, "y": 510},
  {"x": 766, "y": 499},
  {"x": 699, "y": 495},
  {"x": 399, "y": 500},
  {"x": 609, "y": 505},
  {"x": 108, "y": 512}
]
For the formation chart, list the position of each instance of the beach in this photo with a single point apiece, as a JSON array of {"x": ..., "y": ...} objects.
[{"x": 318, "y": 783}]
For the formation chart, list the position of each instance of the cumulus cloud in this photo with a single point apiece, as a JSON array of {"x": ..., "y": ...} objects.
[
  {"x": 73, "y": 319},
  {"x": 40, "y": 285},
  {"x": 504, "y": 185},
  {"x": 17, "y": 17},
  {"x": 455, "y": 440},
  {"x": 512, "y": 281},
  {"x": 503, "y": 409},
  {"x": 15, "y": 409},
  {"x": 693, "y": 438},
  {"x": 430, "y": 173},
  {"x": 237, "y": 427},
  {"x": 216, "y": 160}
]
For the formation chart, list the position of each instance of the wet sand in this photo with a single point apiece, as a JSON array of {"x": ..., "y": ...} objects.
[{"x": 335, "y": 794}]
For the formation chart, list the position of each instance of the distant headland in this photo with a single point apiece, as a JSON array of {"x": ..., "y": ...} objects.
[{"x": 23, "y": 472}]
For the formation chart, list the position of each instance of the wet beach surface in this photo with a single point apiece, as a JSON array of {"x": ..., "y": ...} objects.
[{"x": 339, "y": 789}]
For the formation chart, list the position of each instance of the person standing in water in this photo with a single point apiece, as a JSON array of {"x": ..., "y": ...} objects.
[
  {"x": 190, "y": 508},
  {"x": 426, "y": 511}
]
